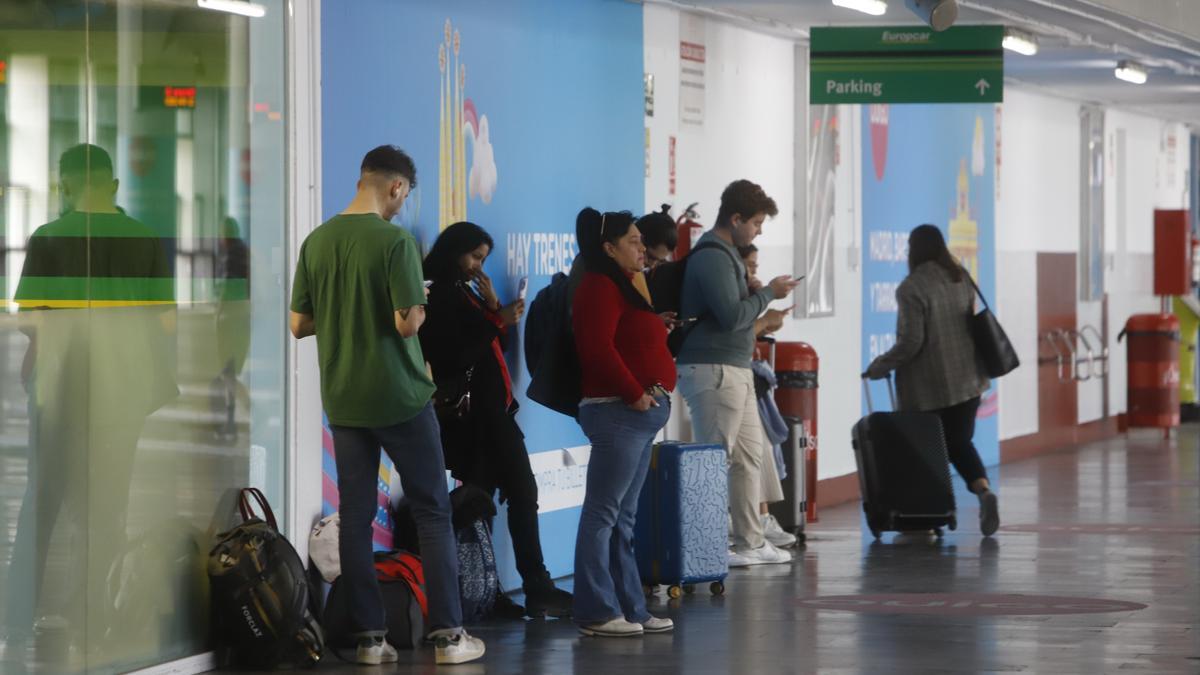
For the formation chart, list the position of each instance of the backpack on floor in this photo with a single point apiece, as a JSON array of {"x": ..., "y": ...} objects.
[
  {"x": 478, "y": 581},
  {"x": 259, "y": 593},
  {"x": 402, "y": 585}
]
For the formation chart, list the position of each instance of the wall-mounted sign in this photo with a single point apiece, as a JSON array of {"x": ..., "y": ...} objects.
[
  {"x": 906, "y": 64},
  {"x": 693, "y": 60},
  {"x": 179, "y": 97}
]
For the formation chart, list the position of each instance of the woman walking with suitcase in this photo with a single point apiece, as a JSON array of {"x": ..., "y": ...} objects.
[
  {"x": 934, "y": 358},
  {"x": 628, "y": 373}
]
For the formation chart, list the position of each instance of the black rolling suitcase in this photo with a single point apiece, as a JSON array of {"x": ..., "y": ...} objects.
[{"x": 903, "y": 470}]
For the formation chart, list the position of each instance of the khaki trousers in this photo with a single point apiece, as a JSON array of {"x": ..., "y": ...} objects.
[{"x": 721, "y": 402}]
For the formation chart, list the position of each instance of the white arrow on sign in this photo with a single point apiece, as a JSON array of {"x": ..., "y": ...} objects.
[{"x": 982, "y": 85}]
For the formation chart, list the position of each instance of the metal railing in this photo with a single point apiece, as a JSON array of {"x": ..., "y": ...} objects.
[{"x": 1072, "y": 363}]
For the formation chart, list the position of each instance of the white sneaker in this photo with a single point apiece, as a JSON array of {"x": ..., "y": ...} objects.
[
  {"x": 763, "y": 555},
  {"x": 459, "y": 648},
  {"x": 774, "y": 533},
  {"x": 373, "y": 651},
  {"x": 618, "y": 627},
  {"x": 656, "y": 625}
]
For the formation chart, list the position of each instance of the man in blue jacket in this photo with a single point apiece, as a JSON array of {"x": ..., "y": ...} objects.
[{"x": 714, "y": 362}]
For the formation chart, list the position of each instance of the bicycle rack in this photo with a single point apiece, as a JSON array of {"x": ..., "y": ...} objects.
[
  {"x": 1063, "y": 363},
  {"x": 1076, "y": 337},
  {"x": 1103, "y": 358},
  {"x": 1072, "y": 363}
]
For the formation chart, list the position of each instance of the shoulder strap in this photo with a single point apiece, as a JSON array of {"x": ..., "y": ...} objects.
[
  {"x": 977, "y": 291},
  {"x": 719, "y": 247}
]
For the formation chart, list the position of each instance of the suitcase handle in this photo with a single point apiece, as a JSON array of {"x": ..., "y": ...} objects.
[{"x": 867, "y": 390}]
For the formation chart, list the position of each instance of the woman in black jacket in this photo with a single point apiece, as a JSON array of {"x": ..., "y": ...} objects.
[{"x": 463, "y": 339}]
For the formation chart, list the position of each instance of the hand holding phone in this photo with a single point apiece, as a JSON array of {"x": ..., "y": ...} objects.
[{"x": 522, "y": 288}]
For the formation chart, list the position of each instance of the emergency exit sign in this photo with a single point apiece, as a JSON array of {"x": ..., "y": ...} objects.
[{"x": 906, "y": 64}]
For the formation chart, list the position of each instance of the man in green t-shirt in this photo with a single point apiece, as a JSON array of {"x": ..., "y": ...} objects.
[{"x": 358, "y": 288}]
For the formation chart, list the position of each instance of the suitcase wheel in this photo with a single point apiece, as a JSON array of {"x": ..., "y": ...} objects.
[
  {"x": 953, "y": 524},
  {"x": 717, "y": 588},
  {"x": 675, "y": 592},
  {"x": 689, "y": 588},
  {"x": 648, "y": 590}
]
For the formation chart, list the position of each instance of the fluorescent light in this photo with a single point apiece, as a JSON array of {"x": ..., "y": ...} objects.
[
  {"x": 1131, "y": 72},
  {"x": 1020, "y": 42},
  {"x": 872, "y": 7},
  {"x": 251, "y": 9}
]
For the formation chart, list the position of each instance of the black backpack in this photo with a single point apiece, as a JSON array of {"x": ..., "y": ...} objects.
[
  {"x": 554, "y": 370},
  {"x": 666, "y": 289},
  {"x": 259, "y": 592}
]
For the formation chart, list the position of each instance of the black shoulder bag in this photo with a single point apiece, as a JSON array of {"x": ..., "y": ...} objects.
[{"x": 991, "y": 343}]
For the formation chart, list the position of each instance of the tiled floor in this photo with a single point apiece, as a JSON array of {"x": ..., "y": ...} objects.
[{"x": 760, "y": 625}]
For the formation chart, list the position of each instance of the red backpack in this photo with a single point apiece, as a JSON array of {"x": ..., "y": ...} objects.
[
  {"x": 403, "y": 567},
  {"x": 402, "y": 585}
]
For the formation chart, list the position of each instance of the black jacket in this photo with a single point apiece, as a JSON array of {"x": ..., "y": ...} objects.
[{"x": 457, "y": 336}]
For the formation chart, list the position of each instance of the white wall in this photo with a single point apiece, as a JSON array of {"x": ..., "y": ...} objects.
[
  {"x": 749, "y": 133},
  {"x": 1038, "y": 212},
  {"x": 1143, "y": 175}
]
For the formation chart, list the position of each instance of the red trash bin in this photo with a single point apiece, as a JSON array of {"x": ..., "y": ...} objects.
[
  {"x": 796, "y": 366},
  {"x": 1153, "y": 370}
]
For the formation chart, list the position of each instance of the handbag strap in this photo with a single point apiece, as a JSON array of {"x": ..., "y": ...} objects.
[
  {"x": 977, "y": 291},
  {"x": 247, "y": 511}
]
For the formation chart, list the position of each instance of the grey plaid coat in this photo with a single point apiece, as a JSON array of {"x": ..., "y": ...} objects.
[{"x": 934, "y": 355}]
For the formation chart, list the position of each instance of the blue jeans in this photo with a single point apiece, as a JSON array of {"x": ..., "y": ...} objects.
[
  {"x": 415, "y": 447},
  {"x": 607, "y": 583}
]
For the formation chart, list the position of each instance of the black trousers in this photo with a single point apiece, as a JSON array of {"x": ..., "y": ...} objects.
[
  {"x": 503, "y": 464},
  {"x": 958, "y": 423}
]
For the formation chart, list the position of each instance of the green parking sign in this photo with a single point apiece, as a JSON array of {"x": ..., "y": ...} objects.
[{"x": 906, "y": 64}]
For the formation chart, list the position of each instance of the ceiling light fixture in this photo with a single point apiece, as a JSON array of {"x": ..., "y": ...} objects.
[
  {"x": 1131, "y": 71},
  {"x": 240, "y": 7},
  {"x": 872, "y": 7},
  {"x": 939, "y": 14},
  {"x": 1020, "y": 42}
]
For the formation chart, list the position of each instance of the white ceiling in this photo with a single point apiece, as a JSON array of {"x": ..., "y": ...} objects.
[{"x": 1080, "y": 43}]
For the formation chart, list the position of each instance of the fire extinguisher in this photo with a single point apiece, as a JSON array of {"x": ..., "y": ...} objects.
[{"x": 688, "y": 230}]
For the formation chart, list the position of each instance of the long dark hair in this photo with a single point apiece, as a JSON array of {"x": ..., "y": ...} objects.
[
  {"x": 593, "y": 230},
  {"x": 453, "y": 243},
  {"x": 926, "y": 244}
]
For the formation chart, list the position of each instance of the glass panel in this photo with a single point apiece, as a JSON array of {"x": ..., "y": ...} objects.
[
  {"x": 1091, "y": 211},
  {"x": 142, "y": 327}
]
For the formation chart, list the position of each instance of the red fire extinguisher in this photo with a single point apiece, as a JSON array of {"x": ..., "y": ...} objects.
[{"x": 688, "y": 230}]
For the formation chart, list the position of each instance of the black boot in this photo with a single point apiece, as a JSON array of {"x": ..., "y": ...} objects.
[
  {"x": 543, "y": 598},
  {"x": 505, "y": 608}
]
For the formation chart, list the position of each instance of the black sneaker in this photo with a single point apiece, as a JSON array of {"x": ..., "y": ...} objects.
[
  {"x": 505, "y": 608},
  {"x": 989, "y": 513},
  {"x": 543, "y": 598}
]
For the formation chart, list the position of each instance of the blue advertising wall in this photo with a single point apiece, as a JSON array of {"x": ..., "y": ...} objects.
[
  {"x": 926, "y": 164},
  {"x": 543, "y": 118}
]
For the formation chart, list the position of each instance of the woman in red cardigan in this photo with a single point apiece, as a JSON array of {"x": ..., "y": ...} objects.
[{"x": 628, "y": 373}]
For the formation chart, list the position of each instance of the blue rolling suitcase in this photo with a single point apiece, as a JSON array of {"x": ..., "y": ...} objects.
[{"x": 682, "y": 531}]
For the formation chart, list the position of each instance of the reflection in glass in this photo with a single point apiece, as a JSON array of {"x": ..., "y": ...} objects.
[{"x": 141, "y": 376}]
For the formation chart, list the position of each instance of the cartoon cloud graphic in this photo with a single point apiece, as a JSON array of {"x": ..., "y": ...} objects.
[{"x": 483, "y": 177}]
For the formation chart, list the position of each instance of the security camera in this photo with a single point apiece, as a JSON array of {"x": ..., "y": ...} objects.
[{"x": 939, "y": 14}]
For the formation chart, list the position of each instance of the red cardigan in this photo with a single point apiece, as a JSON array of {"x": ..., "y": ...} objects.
[{"x": 623, "y": 349}]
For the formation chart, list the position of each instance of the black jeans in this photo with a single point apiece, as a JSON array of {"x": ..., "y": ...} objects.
[
  {"x": 506, "y": 468},
  {"x": 958, "y": 422},
  {"x": 415, "y": 447}
]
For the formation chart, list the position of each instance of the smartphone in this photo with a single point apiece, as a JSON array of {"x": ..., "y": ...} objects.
[
  {"x": 522, "y": 288},
  {"x": 428, "y": 283}
]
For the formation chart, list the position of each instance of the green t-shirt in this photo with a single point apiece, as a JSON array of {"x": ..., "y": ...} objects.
[{"x": 354, "y": 272}]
